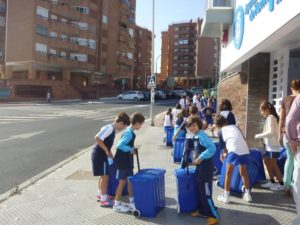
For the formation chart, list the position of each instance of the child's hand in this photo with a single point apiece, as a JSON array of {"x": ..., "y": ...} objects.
[
  {"x": 134, "y": 152},
  {"x": 197, "y": 161}
]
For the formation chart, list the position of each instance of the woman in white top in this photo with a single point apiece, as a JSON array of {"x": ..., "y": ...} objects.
[
  {"x": 168, "y": 121},
  {"x": 270, "y": 136}
]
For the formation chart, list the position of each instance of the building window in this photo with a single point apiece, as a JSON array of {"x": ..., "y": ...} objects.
[
  {"x": 53, "y": 34},
  {"x": 64, "y": 20},
  {"x": 183, "y": 42},
  {"x": 81, "y": 25},
  {"x": 123, "y": 26},
  {"x": 78, "y": 57},
  {"x": 53, "y": 17},
  {"x": 104, "y": 19},
  {"x": 92, "y": 44},
  {"x": 64, "y": 37},
  {"x": 129, "y": 55},
  {"x": 41, "y": 30},
  {"x": 42, "y": 12},
  {"x": 63, "y": 54},
  {"x": 2, "y": 21},
  {"x": 82, "y": 41},
  {"x": 41, "y": 48},
  {"x": 52, "y": 51},
  {"x": 176, "y": 29},
  {"x": 83, "y": 10},
  {"x": 131, "y": 32},
  {"x": 2, "y": 6}
]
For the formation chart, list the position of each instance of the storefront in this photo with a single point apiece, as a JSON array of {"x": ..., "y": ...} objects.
[{"x": 260, "y": 55}]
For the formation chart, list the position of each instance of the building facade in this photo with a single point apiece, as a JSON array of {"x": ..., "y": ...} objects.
[
  {"x": 72, "y": 48},
  {"x": 260, "y": 54},
  {"x": 185, "y": 58},
  {"x": 142, "y": 57}
]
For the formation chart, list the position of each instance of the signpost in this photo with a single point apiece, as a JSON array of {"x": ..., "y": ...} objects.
[{"x": 151, "y": 84}]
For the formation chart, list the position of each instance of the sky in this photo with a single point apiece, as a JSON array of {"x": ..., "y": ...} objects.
[{"x": 166, "y": 13}]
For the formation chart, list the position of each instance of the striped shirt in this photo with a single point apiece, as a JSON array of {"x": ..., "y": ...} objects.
[{"x": 293, "y": 121}]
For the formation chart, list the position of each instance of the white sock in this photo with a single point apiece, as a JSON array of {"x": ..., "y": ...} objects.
[
  {"x": 131, "y": 199},
  {"x": 99, "y": 192},
  {"x": 226, "y": 193},
  {"x": 103, "y": 198},
  {"x": 117, "y": 202},
  {"x": 247, "y": 191}
]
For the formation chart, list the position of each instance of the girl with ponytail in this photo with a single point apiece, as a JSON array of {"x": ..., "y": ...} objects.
[{"x": 270, "y": 137}]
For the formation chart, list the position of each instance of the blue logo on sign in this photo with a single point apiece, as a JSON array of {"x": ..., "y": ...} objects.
[{"x": 238, "y": 30}]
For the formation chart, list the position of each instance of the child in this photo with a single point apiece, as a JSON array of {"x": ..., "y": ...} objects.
[
  {"x": 204, "y": 151},
  {"x": 175, "y": 113},
  {"x": 124, "y": 162},
  {"x": 168, "y": 121},
  {"x": 225, "y": 109},
  {"x": 237, "y": 152},
  {"x": 102, "y": 156},
  {"x": 270, "y": 136},
  {"x": 180, "y": 119},
  {"x": 208, "y": 112}
]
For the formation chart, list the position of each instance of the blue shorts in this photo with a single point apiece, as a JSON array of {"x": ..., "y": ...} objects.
[
  {"x": 271, "y": 155},
  {"x": 99, "y": 164},
  {"x": 167, "y": 128},
  {"x": 124, "y": 174},
  {"x": 235, "y": 159}
]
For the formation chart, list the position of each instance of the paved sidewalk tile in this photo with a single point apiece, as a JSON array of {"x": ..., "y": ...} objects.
[{"x": 67, "y": 196}]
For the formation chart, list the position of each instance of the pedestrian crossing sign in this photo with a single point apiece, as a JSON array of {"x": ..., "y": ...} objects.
[{"x": 151, "y": 81}]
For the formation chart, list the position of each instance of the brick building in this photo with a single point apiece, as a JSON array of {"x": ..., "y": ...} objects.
[
  {"x": 2, "y": 35},
  {"x": 186, "y": 57},
  {"x": 73, "y": 48},
  {"x": 142, "y": 57}
]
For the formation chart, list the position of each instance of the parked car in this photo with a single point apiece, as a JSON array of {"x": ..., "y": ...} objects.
[
  {"x": 180, "y": 92},
  {"x": 146, "y": 95},
  {"x": 160, "y": 95},
  {"x": 131, "y": 95}
]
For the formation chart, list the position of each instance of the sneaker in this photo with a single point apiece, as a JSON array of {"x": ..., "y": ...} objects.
[
  {"x": 277, "y": 187},
  {"x": 131, "y": 206},
  {"x": 269, "y": 184},
  {"x": 98, "y": 198},
  {"x": 107, "y": 203},
  {"x": 247, "y": 197},
  {"x": 224, "y": 199},
  {"x": 212, "y": 221},
  {"x": 121, "y": 208}
]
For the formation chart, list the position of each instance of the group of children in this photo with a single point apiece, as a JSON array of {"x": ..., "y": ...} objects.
[
  {"x": 235, "y": 150},
  {"x": 102, "y": 158}
]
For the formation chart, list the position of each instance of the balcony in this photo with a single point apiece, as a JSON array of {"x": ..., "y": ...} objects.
[{"x": 218, "y": 17}]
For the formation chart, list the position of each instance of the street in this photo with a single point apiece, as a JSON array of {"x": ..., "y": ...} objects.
[{"x": 34, "y": 137}]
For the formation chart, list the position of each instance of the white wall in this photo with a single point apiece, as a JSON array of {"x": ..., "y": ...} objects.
[{"x": 264, "y": 25}]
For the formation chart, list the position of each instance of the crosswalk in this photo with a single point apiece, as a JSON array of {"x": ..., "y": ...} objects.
[{"x": 107, "y": 115}]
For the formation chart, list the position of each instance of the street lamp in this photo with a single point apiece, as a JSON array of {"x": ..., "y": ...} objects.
[{"x": 152, "y": 68}]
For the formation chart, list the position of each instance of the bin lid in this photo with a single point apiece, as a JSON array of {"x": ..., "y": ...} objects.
[{"x": 142, "y": 177}]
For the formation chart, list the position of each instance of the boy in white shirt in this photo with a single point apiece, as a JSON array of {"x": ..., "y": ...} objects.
[{"x": 237, "y": 152}]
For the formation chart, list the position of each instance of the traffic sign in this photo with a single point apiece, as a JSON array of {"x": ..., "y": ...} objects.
[{"x": 151, "y": 81}]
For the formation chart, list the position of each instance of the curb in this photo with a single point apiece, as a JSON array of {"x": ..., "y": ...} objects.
[{"x": 17, "y": 190}]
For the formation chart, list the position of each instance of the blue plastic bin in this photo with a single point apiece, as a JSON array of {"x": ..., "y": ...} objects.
[
  {"x": 169, "y": 136},
  {"x": 113, "y": 182},
  {"x": 186, "y": 190},
  {"x": 217, "y": 162},
  {"x": 160, "y": 186},
  {"x": 178, "y": 149},
  {"x": 257, "y": 155},
  {"x": 236, "y": 180},
  {"x": 145, "y": 193}
]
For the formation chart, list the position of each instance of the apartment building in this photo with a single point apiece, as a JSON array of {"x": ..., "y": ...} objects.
[
  {"x": 142, "y": 56},
  {"x": 260, "y": 55},
  {"x": 73, "y": 48},
  {"x": 186, "y": 58}
]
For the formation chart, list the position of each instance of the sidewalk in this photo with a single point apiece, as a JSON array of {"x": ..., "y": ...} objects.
[{"x": 67, "y": 196}]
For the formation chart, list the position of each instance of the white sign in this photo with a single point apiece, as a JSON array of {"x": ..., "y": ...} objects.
[{"x": 151, "y": 81}]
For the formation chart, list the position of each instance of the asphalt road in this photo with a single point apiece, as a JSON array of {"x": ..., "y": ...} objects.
[{"x": 34, "y": 137}]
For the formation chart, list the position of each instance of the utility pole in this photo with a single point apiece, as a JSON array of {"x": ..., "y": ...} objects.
[{"x": 152, "y": 68}]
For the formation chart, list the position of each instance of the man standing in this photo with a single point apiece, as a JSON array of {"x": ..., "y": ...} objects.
[{"x": 293, "y": 135}]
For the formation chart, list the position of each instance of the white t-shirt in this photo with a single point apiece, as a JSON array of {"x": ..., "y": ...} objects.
[
  {"x": 234, "y": 140},
  {"x": 184, "y": 103},
  {"x": 198, "y": 105},
  {"x": 105, "y": 132},
  {"x": 194, "y": 99},
  {"x": 167, "y": 121},
  {"x": 175, "y": 113}
]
